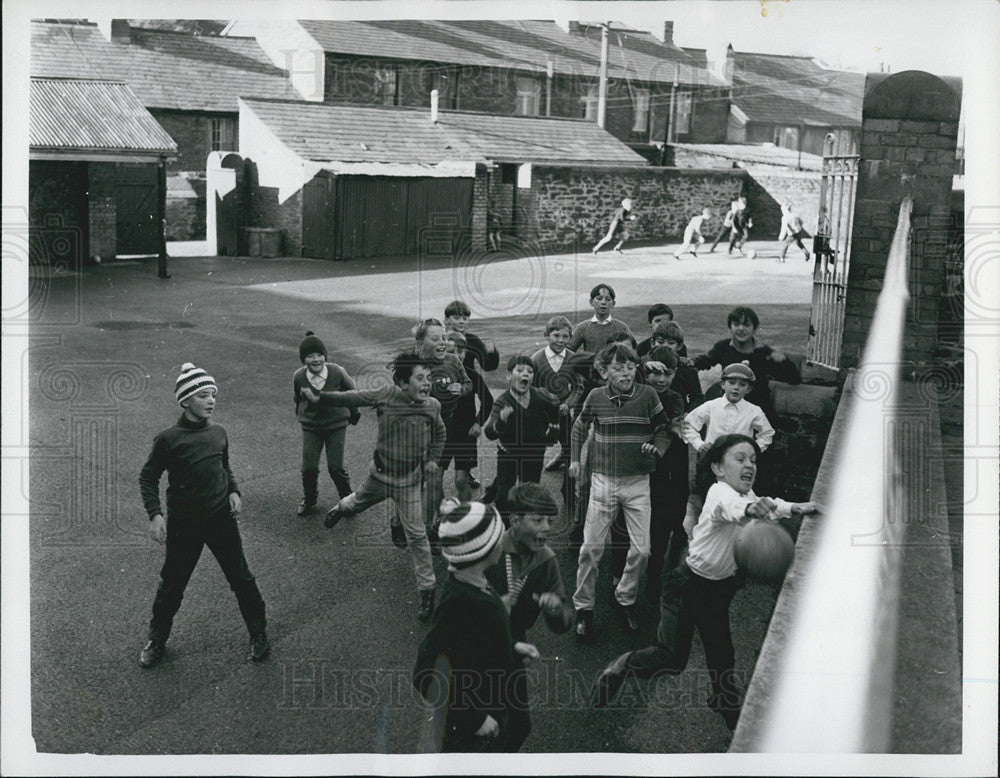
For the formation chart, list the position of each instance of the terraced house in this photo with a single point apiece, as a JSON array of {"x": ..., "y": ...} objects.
[{"x": 657, "y": 91}]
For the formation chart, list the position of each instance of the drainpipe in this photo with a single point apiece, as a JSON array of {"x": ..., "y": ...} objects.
[
  {"x": 434, "y": 106},
  {"x": 161, "y": 206},
  {"x": 602, "y": 84},
  {"x": 550, "y": 71}
]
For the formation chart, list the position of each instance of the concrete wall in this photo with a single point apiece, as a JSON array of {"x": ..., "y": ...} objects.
[
  {"x": 909, "y": 135},
  {"x": 570, "y": 206}
]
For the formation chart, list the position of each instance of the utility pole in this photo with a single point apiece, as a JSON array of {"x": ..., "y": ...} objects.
[
  {"x": 550, "y": 71},
  {"x": 602, "y": 85},
  {"x": 671, "y": 135}
]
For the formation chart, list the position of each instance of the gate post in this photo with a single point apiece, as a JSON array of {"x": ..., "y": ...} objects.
[
  {"x": 909, "y": 134},
  {"x": 161, "y": 207}
]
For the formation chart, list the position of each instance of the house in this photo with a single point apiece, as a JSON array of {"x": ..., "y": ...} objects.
[
  {"x": 793, "y": 102},
  {"x": 509, "y": 68},
  {"x": 96, "y": 172},
  {"x": 347, "y": 181},
  {"x": 190, "y": 84}
]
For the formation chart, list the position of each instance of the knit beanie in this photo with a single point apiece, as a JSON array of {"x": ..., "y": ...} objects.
[
  {"x": 739, "y": 370},
  {"x": 311, "y": 345},
  {"x": 469, "y": 533},
  {"x": 191, "y": 381}
]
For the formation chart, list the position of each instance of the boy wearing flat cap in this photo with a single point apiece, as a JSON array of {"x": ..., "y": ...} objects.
[{"x": 730, "y": 414}]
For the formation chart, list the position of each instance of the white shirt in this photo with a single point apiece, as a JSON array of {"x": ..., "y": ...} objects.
[
  {"x": 600, "y": 321},
  {"x": 710, "y": 553},
  {"x": 555, "y": 360},
  {"x": 317, "y": 380},
  {"x": 726, "y": 418}
]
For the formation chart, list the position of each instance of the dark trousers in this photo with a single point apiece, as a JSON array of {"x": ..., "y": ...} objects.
[
  {"x": 313, "y": 443},
  {"x": 513, "y": 468},
  {"x": 691, "y": 602},
  {"x": 518, "y": 710},
  {"x": 737, "y": 237},
  {"x": 723, "y": 232},
  {"x": 795, "y": 238},
  {"x": 186, "y": 536}
]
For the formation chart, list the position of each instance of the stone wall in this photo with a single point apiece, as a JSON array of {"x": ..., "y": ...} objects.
[
  {"x": 103, "y": 207},
  {"x": 909, "y": 135},
  {"x": 185, "y": 207},
  {"x": 572, "y": 206},
  {"x": 769, "y": 187}
]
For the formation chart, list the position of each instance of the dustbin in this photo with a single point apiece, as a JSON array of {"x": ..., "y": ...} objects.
[{"x": 263, "y": 241}]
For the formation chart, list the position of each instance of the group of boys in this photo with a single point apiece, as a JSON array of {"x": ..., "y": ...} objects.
[{"x": 623, "y": 413}]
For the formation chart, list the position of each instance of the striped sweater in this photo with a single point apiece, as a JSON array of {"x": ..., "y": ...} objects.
[
  {"x": 590, "y": 336},
  {"x": 621, "y": 425}
]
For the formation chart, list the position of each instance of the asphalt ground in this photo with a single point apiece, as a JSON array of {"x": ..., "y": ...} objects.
[{"x": 107, "y": 344}]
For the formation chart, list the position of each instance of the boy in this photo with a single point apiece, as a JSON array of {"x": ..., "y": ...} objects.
[
  {"x": 657, "y": 315},
  {"x": 692, "y": 234},
  {"x": 523, "y": 422},
  {"x": 527, "y": 578},
  {"x": 792, "y": 231},
  {"x": 466, "y": 427},
  {"x": 742, "y": 345},
  {"x": 698, "y": 593},
  {"x": 555, "y": 377},
  {"x": 203, "y": 501},
  {"x": 630, "y": 432},
  {"x": 727, "y": 223},
  {"x": 740, "y": 232},
  {"x": 619, "y": 227},
  {"x": 456, "y": 319},
  {"x": 686, "y": 382},
  {"x": 409, "y": 443},
  {"x": 464, "y": 663},
  {"x": 729, "y": 414},
  {"x": 321, "y": 425},
  {"x": 598, "y": 331},
  {"x": 668, "y": 483}
]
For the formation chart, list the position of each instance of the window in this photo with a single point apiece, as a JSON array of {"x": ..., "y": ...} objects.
[
  {"x": 683, "y": 113},
  {"x": 641, "y": 104},
  {"x": 445, "y": 80},
  {"x": 786, "y": 137},
  {"x": 386, "y": 86},
  {"x": 529, "y": 96},
  {"x": 589, "y": 101},
  {"x": 222, "y": 134}
]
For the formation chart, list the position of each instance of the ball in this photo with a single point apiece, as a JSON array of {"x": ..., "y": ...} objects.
[
  {"x": 751, "y": 254},
  {"x": 764, "y": 550}
]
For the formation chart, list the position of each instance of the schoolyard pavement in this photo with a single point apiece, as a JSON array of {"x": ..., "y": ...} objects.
[{"x": 107, "y": 343}]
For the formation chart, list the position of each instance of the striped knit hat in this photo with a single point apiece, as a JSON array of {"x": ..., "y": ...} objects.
[
  {"x": 469, "y": 533},
  {"x": 191, "y": 381}
]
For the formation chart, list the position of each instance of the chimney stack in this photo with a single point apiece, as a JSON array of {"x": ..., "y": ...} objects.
[
  {"x": 574, "y": 28},
  {"x": 668, "y": 32},
  {"x": 120, "y": 32},
  {"x": 434, "y": 106}
]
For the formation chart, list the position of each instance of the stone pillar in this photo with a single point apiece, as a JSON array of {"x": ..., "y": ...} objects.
[
  {"x": 480, "y": 204},
  {"x": 908, "y": 138}
]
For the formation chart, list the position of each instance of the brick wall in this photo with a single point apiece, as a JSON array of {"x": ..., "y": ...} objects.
[
  {"x": 568, "y": 206},
  {"x": 480, "y": 203},
  {"x": 909, "y": 134},
  {"x": 103, "y": 221}
]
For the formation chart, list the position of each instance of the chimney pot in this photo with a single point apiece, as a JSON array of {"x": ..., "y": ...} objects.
[{"x": 668, "y": 32}]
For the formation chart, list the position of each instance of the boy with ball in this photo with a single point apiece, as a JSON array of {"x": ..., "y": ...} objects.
[{"x": 697, "y": 594}]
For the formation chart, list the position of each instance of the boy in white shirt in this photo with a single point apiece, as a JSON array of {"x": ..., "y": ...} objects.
[
  {"x": 698, "y": 593},
  {"x": 692, "y": 235},
  {"x": 730, "y": 414}
]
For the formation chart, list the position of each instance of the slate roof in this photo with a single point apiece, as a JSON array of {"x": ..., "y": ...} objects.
[
  {"x": 526, "y": 45},
  {"x": 94, "y": 116},
  {"x": 775, "y": 89},
  {"x": 744, "y": 154},
  {"x": 347, "y": 133},
  {"x": 165, "y": 69}
]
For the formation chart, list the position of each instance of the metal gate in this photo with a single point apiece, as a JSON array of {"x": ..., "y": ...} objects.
[
  {"x": 139, "y": 225},
  {"x": 832, "y": 250}
]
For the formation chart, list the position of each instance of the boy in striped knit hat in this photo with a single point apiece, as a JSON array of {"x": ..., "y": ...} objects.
[
  {"x": 630, "y": 433},
  {"x": 203, "y": 501},
  {"x": 464, "y": 663}
]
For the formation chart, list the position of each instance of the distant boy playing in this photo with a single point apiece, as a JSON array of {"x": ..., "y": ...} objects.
[
  {"x": 410, "y": 439},
  {"x": 203, "y": 501},
  {"x": 692, "y": 235}
]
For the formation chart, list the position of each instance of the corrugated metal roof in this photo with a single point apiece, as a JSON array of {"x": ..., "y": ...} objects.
[
  {"x": 93, "y": 116},
  {"x": 348, "y": 133},
  {"x": 165, "y": 69},
  {"x": 777, "y": 89},
  {"x": 526, "y": 45}
]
